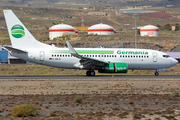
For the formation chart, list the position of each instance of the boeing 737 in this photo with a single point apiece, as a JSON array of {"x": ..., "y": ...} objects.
[{"x": 105, "y": 60}]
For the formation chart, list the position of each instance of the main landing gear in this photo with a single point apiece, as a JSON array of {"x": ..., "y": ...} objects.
[{"x": 90, "y": 73}]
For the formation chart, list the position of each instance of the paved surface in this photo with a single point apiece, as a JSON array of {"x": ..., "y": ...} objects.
[{"x": 93, "y": 77}]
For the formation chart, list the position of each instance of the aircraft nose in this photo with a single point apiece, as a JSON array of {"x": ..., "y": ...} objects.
[{"x": 174, "y": 61}]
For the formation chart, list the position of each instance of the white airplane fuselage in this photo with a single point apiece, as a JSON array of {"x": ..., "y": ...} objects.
[{"x": 60, "y": 57}]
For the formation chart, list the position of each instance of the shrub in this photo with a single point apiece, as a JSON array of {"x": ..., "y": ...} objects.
[
  {"x": 25, "y": 110},
  {"x": 42, "y": 99},
  {"x": 175, "y": 94},
  {"x": 78, "y": 99}
]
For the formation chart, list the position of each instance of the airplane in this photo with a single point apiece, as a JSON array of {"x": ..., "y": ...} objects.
[{"x": 105, "y": 60}]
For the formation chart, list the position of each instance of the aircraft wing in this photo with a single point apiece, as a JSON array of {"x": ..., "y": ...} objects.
[
  {"x": 11, "y": 49},
  {"x": 85, "y": 61}
]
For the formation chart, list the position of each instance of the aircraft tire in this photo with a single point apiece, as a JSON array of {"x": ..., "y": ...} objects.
[
  {"x": 92, "y": 73},
  {"x": 156, "y": 74},
  {"x": 88, "y": 73}
]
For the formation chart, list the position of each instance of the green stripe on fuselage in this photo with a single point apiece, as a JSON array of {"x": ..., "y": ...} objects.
[{"x": 83, "y": 51}]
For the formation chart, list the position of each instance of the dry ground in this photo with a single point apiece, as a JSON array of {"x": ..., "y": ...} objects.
[{"x": 105, "y": 99}]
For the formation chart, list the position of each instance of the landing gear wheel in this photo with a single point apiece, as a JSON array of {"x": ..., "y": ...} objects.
[
  {"x": 90, "y": 73},
  {"x": 156, "y": 73}
]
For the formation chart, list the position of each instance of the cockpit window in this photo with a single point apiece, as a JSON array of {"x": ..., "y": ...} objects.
[{"x": 166, "y": 56}]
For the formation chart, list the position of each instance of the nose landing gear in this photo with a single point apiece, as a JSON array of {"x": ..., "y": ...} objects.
[
  {"x": 156, "y": 73},
  {"x": 90, "y": 73}
]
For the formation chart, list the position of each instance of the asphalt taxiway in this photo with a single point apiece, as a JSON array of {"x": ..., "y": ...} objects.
[{"x": 92, "y": 77}]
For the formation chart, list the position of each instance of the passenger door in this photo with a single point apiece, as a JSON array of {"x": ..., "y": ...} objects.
[
  {"x": 154, "y": 57},
  {"x": 41, "y": 56}
]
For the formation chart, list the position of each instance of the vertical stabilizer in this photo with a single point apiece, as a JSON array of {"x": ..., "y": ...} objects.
[{"x": 19, "y": 34}]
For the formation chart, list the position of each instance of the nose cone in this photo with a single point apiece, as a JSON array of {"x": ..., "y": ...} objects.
[{"x": 174, "y": 61}]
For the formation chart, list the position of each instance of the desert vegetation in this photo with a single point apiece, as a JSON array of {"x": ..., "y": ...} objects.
[{"x": 25, "y": 110}]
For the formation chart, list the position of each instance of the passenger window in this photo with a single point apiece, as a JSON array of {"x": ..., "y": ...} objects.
[
  {"x": 115, "y": 55},
  {"x": 112, "y": 55},
  {"x": 104, "y": 55},
  {"x": 98, "y": 55},
  {"x": 52, "y": 55}
]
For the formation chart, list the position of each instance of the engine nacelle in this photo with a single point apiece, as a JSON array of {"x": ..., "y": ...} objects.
[{"x": 114, "y": 68}]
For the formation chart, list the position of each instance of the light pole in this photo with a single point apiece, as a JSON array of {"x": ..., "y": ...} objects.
[{"x": 135, "y": 16}]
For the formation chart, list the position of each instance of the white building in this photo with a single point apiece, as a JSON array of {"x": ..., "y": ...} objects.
[
  {"x": 101, "y": 29},
  {"x": 60, "y": 30},
  {"x": 149, "y": 30}
]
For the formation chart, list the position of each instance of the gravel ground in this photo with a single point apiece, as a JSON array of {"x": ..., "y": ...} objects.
[{"x": 102, "y": 99}]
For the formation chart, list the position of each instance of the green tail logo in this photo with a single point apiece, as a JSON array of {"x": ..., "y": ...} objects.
[{"x": 17, "y": 31}]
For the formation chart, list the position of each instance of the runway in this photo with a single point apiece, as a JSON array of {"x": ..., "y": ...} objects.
[{"x": 84, "y": 77}]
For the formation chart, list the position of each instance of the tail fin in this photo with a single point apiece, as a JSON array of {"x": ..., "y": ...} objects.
[{"x": 19, "y": 34}]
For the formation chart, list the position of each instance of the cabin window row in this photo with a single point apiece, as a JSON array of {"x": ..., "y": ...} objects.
[
  {"x": 85, "y": 55},
  {"x": 134, "y": 56},
  {"x": 121, "y": 56}
]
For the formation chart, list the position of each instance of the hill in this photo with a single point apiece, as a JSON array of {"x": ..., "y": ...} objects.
[{"x": 38, "y": 21}]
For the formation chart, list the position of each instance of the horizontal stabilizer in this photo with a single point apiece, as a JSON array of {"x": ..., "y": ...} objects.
[{"x": 13, "y": 49}]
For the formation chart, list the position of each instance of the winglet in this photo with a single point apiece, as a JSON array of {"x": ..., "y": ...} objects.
[{"x": 72, "y": 51}]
